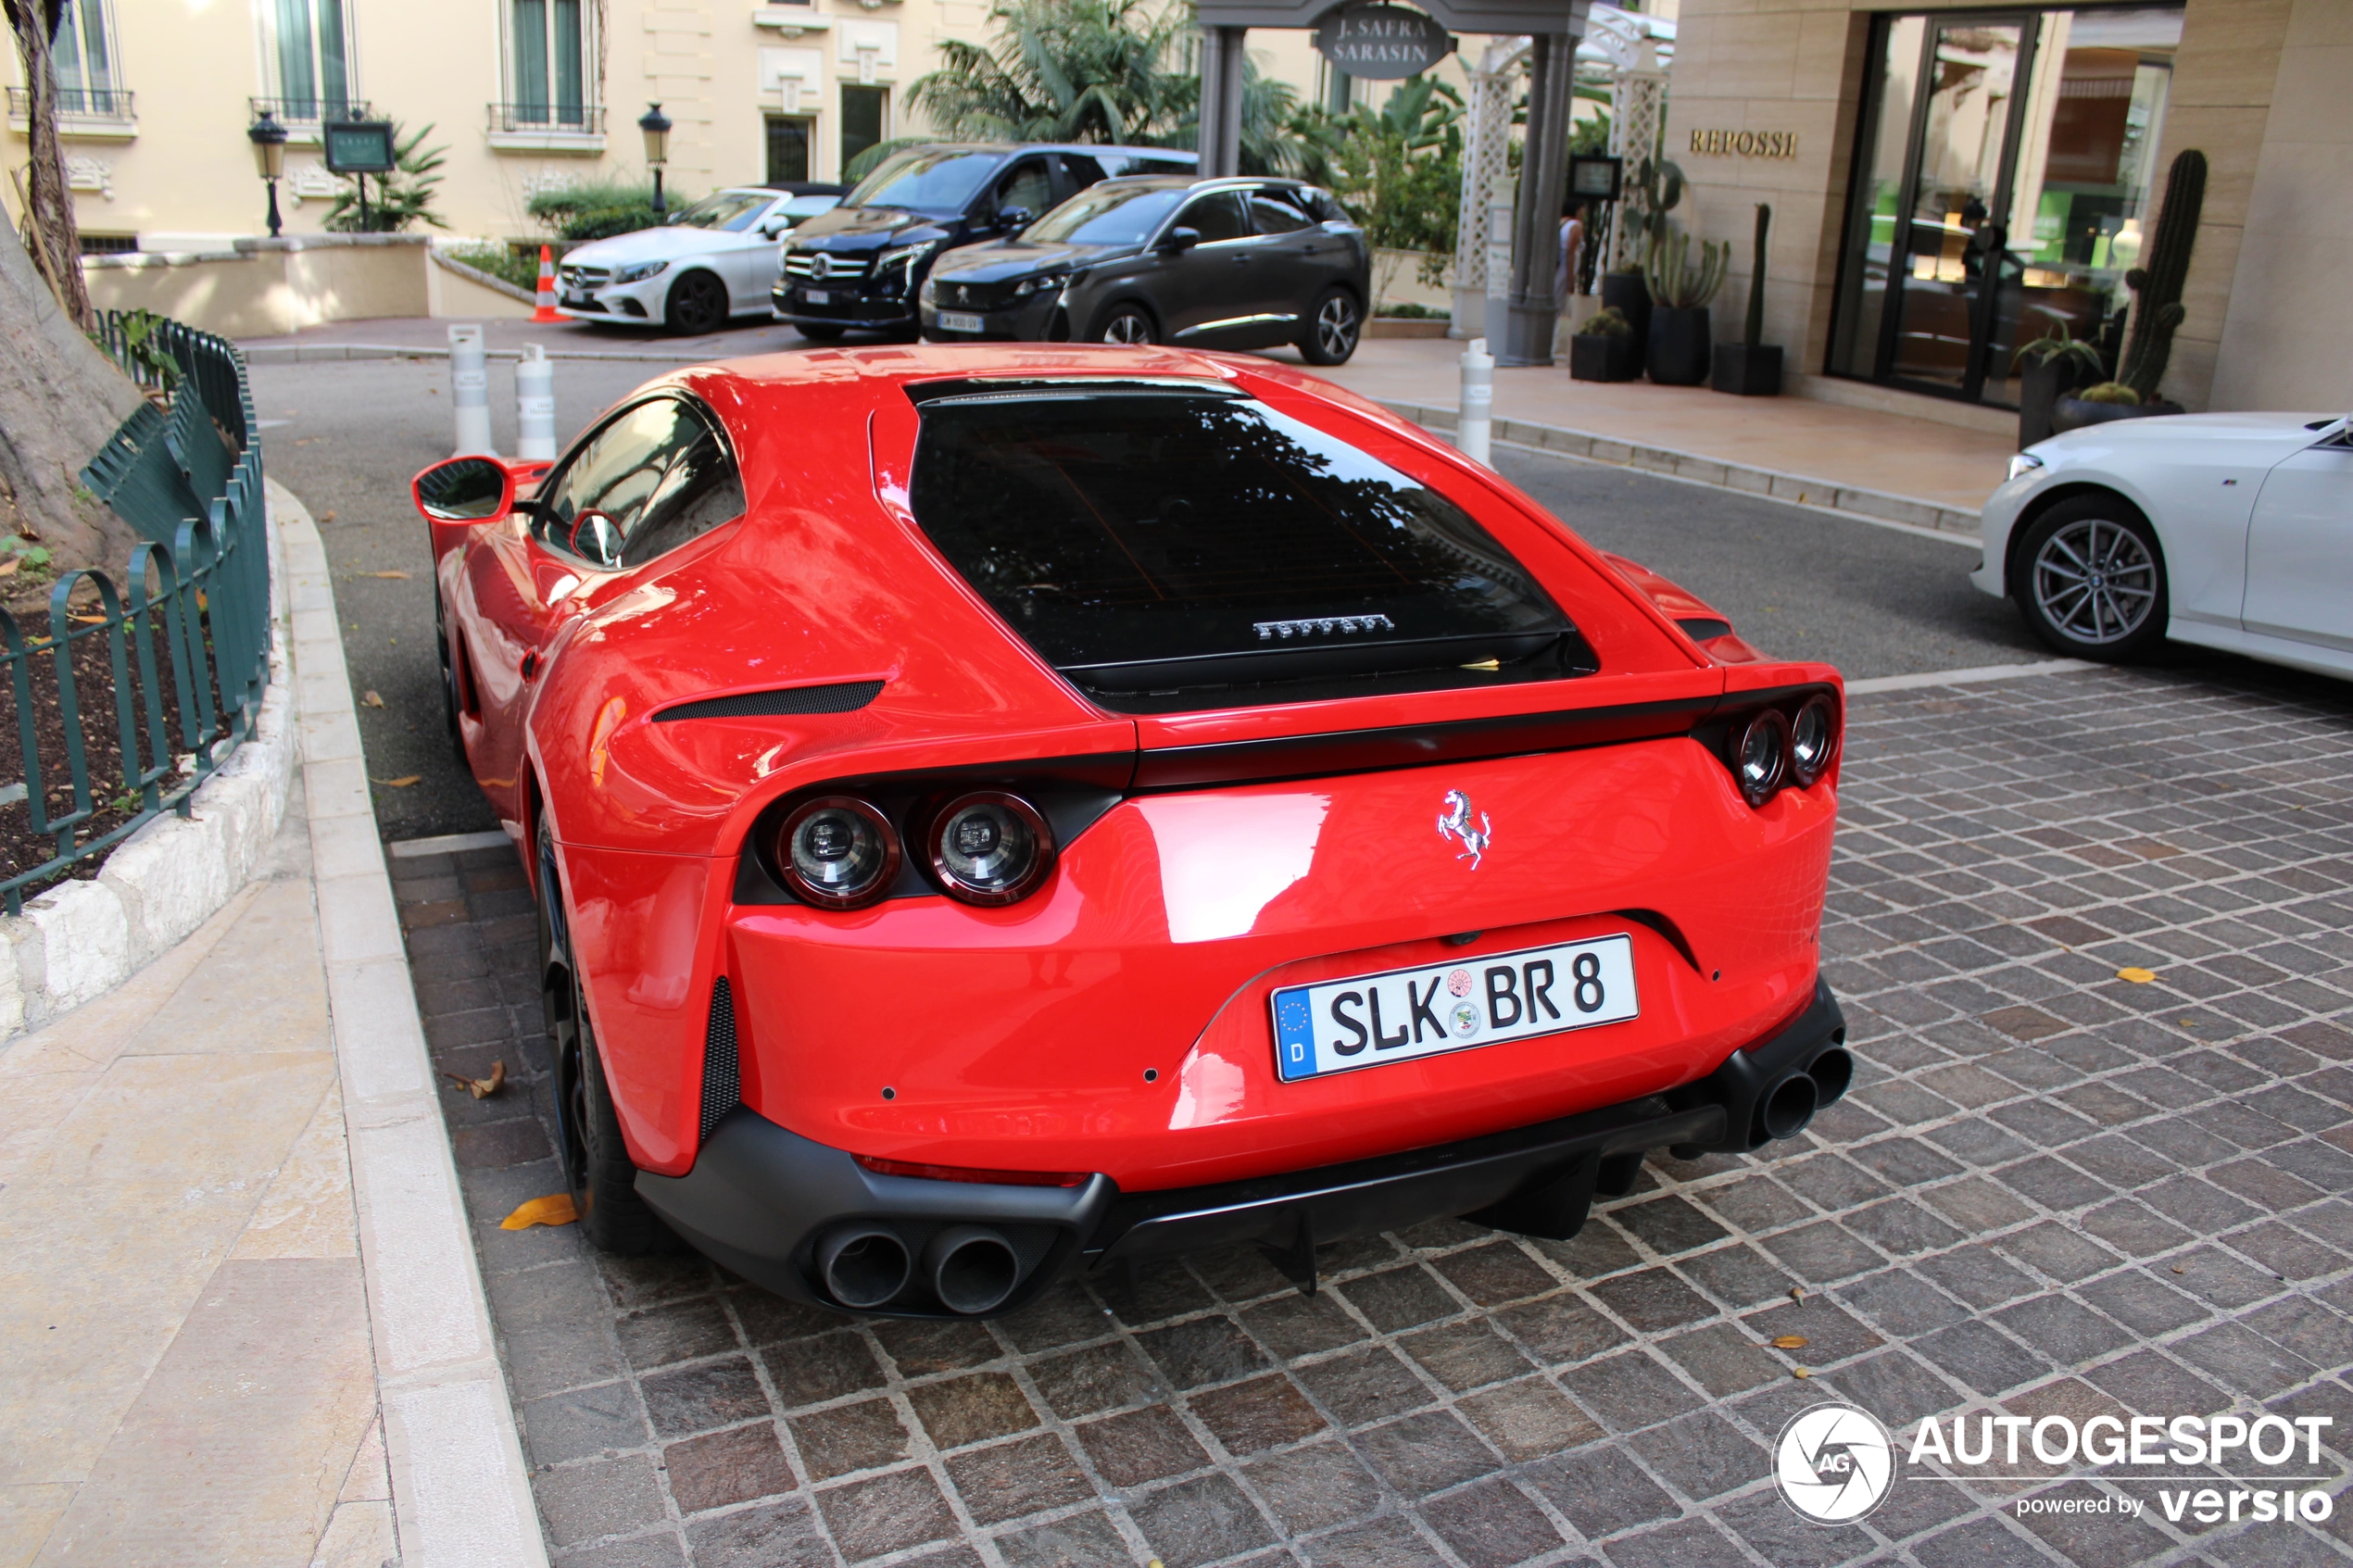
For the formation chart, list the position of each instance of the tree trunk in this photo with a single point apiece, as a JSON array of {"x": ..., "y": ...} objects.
[
  {"x": 49, "y": 214},
  {"x": 59, "y": 400}
]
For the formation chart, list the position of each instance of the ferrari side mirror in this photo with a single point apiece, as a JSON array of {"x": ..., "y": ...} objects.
[{"x": 465, "y": 490}]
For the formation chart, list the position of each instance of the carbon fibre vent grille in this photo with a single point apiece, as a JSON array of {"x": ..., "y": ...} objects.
[
  {"x": 722, "y": 1075},
  {"x": 847, "y": 697}
]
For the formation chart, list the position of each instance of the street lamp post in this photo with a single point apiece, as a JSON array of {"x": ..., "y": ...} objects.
[
  {"x": 269, "y": 139},
  {"x": 655, "y": 125}
]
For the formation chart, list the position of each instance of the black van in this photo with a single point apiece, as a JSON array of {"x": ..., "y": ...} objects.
[{"x": 862, "y": 264}]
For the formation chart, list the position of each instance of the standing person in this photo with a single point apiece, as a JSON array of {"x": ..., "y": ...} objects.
[{"x": 1572, "y": 242}]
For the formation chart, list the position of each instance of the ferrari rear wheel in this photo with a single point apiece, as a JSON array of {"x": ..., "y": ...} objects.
[
  {"x": 596, "y": 1167},
  {"x": 2092, "y": 578},
  {"x": 1331, "y": 333},
  {"x": 697, "y": 304},
  {"x": 1129, "y": 325}
]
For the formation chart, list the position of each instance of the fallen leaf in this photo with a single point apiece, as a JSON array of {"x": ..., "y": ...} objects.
[
  {"x": 327, "y": 517},
  {"x": 2137, "y": 976},
  {"x": 482, "y": 1088},
  {"x": 396, "y": 576},
  {"x": 1788, "y": 1342},
  {"x": 90, "y": 620},
  {"x": 1799, "y": 1372},
  {"x": 401, "y": 783},
  {"x": 554, "y": 1210},
  {"x": 371, "y": 700},
  {"x": 8, "y": 567},
  {"x": 1797, "y": 1293}
]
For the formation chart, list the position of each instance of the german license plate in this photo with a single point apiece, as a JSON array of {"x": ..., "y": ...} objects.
[
  {"x": 1369, "y": 1019},
  {"x": 816, "y": 296},
  {"x": 575, "y": 300},
  {"x": 958, "y": 321}
]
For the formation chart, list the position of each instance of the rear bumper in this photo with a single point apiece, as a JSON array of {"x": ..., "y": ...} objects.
[{"x": 760, "y": 1198}]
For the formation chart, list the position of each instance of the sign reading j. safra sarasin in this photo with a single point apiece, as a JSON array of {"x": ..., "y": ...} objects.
[{"x": 1382, "y": 43}]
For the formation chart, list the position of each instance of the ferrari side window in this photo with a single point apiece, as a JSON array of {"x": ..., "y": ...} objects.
[{"x": 653, "y": 477}]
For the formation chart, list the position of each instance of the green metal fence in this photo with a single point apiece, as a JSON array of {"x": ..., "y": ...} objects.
[{"x": 139, "y": 687}]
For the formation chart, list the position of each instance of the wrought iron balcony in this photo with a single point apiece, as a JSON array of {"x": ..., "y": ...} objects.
[
  {"x": 85, "y": 103},
  {"x": 311, "y": 111},
  {"x": 559, "y": 119}
]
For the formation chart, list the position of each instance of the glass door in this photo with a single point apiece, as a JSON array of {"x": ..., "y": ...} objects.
[{"x": 1952, "y": 232}]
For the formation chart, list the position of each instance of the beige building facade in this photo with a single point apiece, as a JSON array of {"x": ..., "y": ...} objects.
[
  {"x": 1951, "y": 182},
  {"x": 523, "y": 94}
]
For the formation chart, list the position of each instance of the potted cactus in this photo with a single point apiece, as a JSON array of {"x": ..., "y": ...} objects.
[
  {"x": 1680, "y": 292},
  {"x": 2055, "y": 364},
  {"x": 1657, "y": 188},
  {"x": 2157, "y": 310},
  {"x": 1605, "y": 348},
  {"x": 1752, "y": 367}
]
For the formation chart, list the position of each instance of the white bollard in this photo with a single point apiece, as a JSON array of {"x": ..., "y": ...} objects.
[
  {"x": 1476, "y": 420},
  {"x": 536, "y": 406},
  {"x": 469, "y": 393}
]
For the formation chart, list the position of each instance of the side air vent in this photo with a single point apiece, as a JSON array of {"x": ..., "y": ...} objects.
[
  {"x": 1700, "y": 628},
  {"x": 722, "y": 1077},
  {"x": 847, "y": 697}
]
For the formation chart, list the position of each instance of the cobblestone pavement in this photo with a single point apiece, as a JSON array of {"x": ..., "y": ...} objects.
[{"x": 2052, "y": 1191}]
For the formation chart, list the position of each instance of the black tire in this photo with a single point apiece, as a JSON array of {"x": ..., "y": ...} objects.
[
  {"x": 596, "y": 1168},
  {"x": 2090, "y": 578},
  {"x": 1332, "y": 328},
  {"x": 1130, "y": 325},
  {"x": 449, "y": 706},
  {"x": 697, "y": 304},
  {"x": 820, "y": 334}
]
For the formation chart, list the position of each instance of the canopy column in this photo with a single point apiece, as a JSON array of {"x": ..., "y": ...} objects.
[
  {"x": 1220, "y": 139},
  {"x": 1544, "y": 184}
]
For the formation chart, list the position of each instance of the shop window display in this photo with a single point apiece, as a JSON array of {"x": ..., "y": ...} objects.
[{"x": 2003, "y": 170}]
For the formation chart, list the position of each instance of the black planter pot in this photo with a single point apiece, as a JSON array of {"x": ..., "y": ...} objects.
[
  {"x": 1747, "y": 370},
  {"x": 2073, "y": 413},
  {"x": 2039, "y": 390},
  {"x": 1679, "y": 346},
  {"x": 1593, "y": 357},
  {"x": 1630, "y": 297}
]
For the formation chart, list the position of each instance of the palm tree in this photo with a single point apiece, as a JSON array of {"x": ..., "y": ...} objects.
[{"x": 1087, "y": 70}]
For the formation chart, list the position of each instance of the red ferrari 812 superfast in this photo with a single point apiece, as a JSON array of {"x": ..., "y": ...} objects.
[{"x": 998, "y": 812}]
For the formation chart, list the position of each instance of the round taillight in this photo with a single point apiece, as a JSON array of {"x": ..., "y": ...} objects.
[
  {"x": 1813, "y": 741},
  {"x": 1759, "y": 756},
  {"x": 989, "y": 847},
  {"x": 838, "y": 852}
]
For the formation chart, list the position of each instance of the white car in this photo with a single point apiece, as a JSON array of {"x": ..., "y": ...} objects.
[
  {"x": 711, "y": 262},
  {"x": 2232, "y": 531}
]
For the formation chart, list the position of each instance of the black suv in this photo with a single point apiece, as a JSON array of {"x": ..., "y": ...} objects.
[
  {"x": 861, "y": 265},
  {"x": 1229, "y": 263}
]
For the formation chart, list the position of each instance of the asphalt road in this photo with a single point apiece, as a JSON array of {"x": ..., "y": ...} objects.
[{"x": 346, "y": 437}]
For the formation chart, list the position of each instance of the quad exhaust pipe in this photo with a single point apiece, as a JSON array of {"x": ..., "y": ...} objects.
[{"x": 866, "y": 1265}]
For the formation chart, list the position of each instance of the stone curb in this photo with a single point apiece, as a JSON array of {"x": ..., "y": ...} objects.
[
  {"x": 80, "y": 940},
  {"x": 1877, "y": 504},
  {"x": 329, "y": 353},
  {"x": 461, "y": 1494}
]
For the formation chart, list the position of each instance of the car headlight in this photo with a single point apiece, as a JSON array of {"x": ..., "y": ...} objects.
[
  {"x": 930, "y": 291},
  {"x": 637, "y": 272},
  {"x": 904, "y": 257},
  {"x": 2024, "y": 464}
]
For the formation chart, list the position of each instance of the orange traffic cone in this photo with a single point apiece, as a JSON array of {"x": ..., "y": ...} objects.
[{"x": 547, "y": 311}]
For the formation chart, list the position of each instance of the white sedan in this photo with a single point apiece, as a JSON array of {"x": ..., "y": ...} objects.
[
  {"x": 2234, "y": 531},
  {"x": 710, "y": 263}
]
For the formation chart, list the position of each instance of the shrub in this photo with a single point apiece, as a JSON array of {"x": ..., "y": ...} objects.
[{"x": 1608, "y": 321}]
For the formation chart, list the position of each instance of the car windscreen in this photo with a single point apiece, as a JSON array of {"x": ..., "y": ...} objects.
[
  {"x": 732, "y": 210},
  {"x": 926, "y": 180},
  {"x": 1179, "y": 546},
  {"x": 1121, "y": 216}
]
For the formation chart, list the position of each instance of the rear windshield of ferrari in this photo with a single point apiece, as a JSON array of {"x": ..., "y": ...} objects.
[{"x": 1174, "y": 545}]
